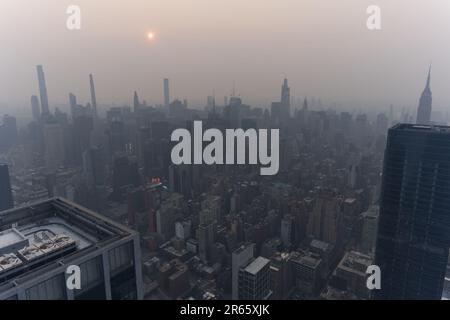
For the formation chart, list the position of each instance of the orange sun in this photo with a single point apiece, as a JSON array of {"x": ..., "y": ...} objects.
[{"x": 150, "y": 35}]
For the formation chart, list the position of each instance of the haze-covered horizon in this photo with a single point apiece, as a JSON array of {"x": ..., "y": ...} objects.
[{"x": 323, "y": 48}]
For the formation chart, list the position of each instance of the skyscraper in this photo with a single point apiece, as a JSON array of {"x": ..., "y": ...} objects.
[
  {"x": 166, "y": 93},
  {"x": 281, "y": 111},
  {"x": 73, "y": 105},
  {"x": 6, "y": 197},
  {"x": 43, "y": 90},
  {"x": 93, "y": 97},
  {"x": 240, "y": 257},
  {"x": 35, "y": 108},
  {"x": 136, "y": 102},
  {"x": 286, "y": 95},
  {"x": 254, "y": 280},
  {"x": 425, "y": 102},
  {"x": 414, "y": 221}
]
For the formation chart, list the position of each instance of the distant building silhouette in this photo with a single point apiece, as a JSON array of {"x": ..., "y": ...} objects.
[
  {"x": 281, "y": 111},
  {"x": 136, "y": 103},
  {"x": 35, "y": 108},
  {"x": 424, "y": 109},
  {"x": 73, "y": 105},
  {"x": 166, "y": 93},
  {"x": 43, "y": 90},
  {"x": 93, "y": 96},
  {"x": 286, "y": 95}
]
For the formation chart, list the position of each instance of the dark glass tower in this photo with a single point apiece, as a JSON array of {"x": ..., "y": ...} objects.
[
  {"x": 6, "y": 198},
  {"x": 414, "y": 227}
]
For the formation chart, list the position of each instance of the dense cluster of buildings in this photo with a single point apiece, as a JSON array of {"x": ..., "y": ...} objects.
[{"x": 225, "y": 231}]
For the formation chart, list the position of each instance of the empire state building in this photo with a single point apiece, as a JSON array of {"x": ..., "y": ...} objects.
[{"x": 424, "y": 109}]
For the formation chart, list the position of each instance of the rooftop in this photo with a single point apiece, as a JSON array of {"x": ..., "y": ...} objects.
[
  {"x": 46, "y": 233},
  {"x": 9, "y": 238},
  {"x": 256, "y": 265},
  {"x": 320, "y": 245},
  {"x": 306, "y": 258},
  {"x": 421, "y": 128},
  {"x": 242, "y": 248},
  {"x": 355, "y": 262}
]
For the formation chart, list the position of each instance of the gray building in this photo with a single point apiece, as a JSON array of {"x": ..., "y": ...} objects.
[
  {"x": 369, "y": 230},
  {"x": 254, "y": 280},
  {"x": 239, "y": 258},
  {"x": 351, "y": 272},
  {"x": 306, "y": 268},
  {"x": 39, "y": 242}
]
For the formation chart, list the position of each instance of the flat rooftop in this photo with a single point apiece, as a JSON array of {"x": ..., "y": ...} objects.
[
  {"x": 421, "y": 128},
  {"x": 355, "y": 262},
  {"x": 320, "y": 245},
  {"x": 10, "y": 237},
  {"x": 40, "y": 234},
  {"x": 36, "y": 232},
  {"x": 306, "y": 258},
  {"x": 242, "y": 248},
  {"x": 257, "y": 264}
]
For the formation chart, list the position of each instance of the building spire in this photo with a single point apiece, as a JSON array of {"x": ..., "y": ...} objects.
[
  {"x": 425, "y": 103},
  {"x": 429, "y": 78}
]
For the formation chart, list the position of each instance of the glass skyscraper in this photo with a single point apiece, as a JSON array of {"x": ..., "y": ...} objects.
[{"x": 414, "y": 224}]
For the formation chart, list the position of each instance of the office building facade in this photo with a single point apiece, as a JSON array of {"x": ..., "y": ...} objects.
[{"x": 414, "y": 221}]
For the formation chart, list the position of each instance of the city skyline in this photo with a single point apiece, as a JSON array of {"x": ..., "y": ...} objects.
[
  {"x": 224, "y": 150},
  {"x": 39, "y": 102},
  {"x": 309, "y": 46}
]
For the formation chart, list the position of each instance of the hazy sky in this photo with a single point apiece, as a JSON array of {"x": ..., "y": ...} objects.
[{"x": 322, "y": 46}]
